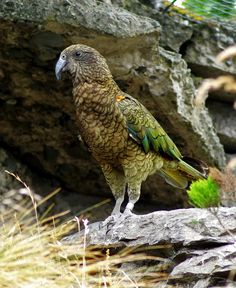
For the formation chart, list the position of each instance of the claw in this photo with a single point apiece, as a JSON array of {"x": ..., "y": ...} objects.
[{"x": 110, "y": 221}]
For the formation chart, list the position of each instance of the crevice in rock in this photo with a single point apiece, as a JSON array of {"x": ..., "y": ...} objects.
[
  {"x": 183, "y": 48},
  {"x": 15, "y": 151}
]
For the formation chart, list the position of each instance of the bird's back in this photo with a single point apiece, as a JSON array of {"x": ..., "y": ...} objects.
[
  {"x": 145, "y": 129},
  {"x": 152, "y": 139}
]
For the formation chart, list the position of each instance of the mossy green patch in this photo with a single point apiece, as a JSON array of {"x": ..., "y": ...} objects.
[{"x": 204, "y": 193}]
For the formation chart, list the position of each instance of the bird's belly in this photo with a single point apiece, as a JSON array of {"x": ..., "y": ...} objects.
[
  {"x": 137, "y": 164},
  {"x": 105, "y": 143}
]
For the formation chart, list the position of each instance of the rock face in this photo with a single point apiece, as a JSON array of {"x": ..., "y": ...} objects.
[
  {"x": 37, "y": 119},
  {"x": 224, "y": 117},
  {"x": 202, "y": 241},
  {"x": 199, "y": 43},
  {"x": 183, "y": 226}
]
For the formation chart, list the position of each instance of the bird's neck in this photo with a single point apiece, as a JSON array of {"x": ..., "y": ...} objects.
[{"x": 95, "y": 96}]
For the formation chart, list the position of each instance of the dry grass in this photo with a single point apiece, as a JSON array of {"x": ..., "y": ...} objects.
[
  {"x": 32, "y": 254},
  {"x": 227, "y": 183}
]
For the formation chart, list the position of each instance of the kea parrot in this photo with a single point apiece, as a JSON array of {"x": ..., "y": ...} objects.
[{"x": 122, "y": 135}]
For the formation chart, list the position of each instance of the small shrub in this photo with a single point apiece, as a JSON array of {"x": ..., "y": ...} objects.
[{"x": 204, "y": 193}]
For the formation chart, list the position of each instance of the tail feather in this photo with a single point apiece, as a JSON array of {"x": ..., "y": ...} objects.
[
  {"x": 189, "y": 171},
  {"x": 174, "y": 178},
  {"x": 198, "y": 165},
  {"x": 185, "y": 171}
]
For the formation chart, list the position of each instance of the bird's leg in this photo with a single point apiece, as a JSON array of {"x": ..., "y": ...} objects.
[
  {"x": 134, "y": 194},
  {"x": 116, "y": 210},
  {"x": 119, "y": 201},
  {"x": 116, "y": 180}
]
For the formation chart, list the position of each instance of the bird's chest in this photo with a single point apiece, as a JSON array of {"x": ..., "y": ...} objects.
[{"x": 105, "y": 134}]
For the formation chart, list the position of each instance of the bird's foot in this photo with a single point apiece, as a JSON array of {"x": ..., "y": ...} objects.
[
  {"x": 115, "y": 220},
  {"x": 110, "y": 221},
  {"x": 128, "y": 209},
  {"x": 117, "y": 217},
  {"x": 127, "y": 212}
]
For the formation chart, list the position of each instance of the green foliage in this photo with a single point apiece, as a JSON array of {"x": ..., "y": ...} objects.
[
  {"x": 204, "y": 193},
  {"x": 212, "y": 8}
]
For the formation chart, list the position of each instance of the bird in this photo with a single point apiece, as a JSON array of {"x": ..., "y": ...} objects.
[{"x": 121, "y": 134}]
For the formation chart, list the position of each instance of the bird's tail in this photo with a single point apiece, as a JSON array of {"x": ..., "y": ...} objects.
[{"x": 184, "y": 172}]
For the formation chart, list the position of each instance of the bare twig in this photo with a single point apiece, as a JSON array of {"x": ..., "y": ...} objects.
[
  {"x": 226, "y": 54},
  {"x": 232, "y": 164},
  {"x": 29, "y": 193},
  {"x": 227, "y": 83},
  {"x": 222, "y": 82}
]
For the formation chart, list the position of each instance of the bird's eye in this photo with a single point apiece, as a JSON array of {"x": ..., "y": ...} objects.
[{"x": 78, "y": 53}]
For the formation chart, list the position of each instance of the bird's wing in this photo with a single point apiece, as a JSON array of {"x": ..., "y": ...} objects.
[{"x": 145, "y": 129}]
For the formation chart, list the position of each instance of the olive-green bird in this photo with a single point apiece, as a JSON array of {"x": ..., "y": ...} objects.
[{"x": 120, "y": 132}]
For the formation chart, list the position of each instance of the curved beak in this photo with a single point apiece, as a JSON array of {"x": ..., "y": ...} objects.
[{"x": 61, "y": 63}]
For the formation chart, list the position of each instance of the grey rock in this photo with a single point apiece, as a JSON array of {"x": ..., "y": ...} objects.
[
  {"x": 183, "y": 226},
  {"x": 199, "y": 121},
  {"x": 206, "y": 43},
  {"x": 15, "y": 196},
  {"x": 202, "y": 283},
  {"x": 204, "y": 263},
  {"x": 198, "y": 41},
  {"x": 177, "y": 29},
  {"x": 46, "y": 135},
  {"x": 202, "y": 243},
  {"x": 89, "y": 14},
  {"x": 212, "y": 267},
  {"x": 224, "y": 119},
  {"x": 12, "y": 191},
  {"x": 171, "y": 38}
]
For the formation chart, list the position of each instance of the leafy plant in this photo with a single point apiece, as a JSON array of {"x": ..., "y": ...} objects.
[
  {"x": 204, "y": 193},
  {"x": 212, "y": 8}
]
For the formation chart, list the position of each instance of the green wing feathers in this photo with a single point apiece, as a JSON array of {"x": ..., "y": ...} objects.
[
  {"x": 148, "y": 133},
  {"x": 161, "y": 142},
  {"x": 145, "y": 129}
]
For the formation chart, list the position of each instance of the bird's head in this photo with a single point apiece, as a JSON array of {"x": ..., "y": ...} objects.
[{"x": 84, "y": 64}]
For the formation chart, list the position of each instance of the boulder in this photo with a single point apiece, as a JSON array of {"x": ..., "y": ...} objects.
[
  {"x": 187, "y": 227},
  {"x": 19, "y": 184},
  {"x": 224, "y": 119},
  {"x": 198, "y": 40},
  {"x": 200, "y": 53},
  {"x": 37, "y": 119},
  {"x": 199, "y": 244}
]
